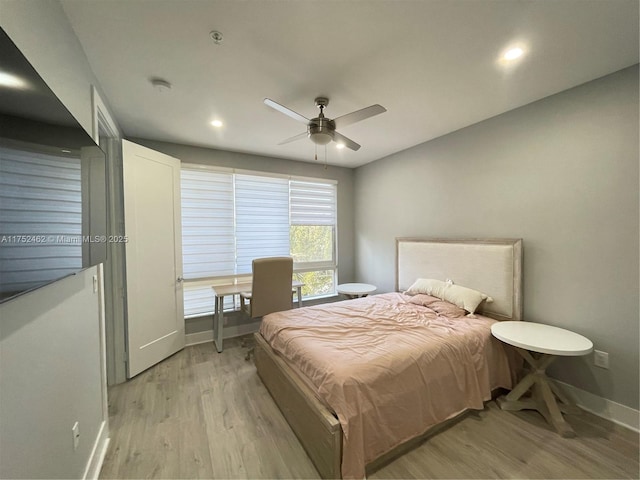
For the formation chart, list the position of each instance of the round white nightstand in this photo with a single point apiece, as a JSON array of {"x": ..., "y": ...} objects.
[
  {"x": 548, "y": 343},
  {"x": 356, "y": 290}
]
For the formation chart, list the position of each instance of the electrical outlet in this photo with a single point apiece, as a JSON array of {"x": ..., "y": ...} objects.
[
  {"x": 601, "y": 359},
  {"x": 75, "y": 431}
]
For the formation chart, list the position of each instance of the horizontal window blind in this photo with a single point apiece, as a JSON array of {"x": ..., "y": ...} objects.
[
  {"x": 262, "y": 219},
  {"x": 198, "y": 300},
  {"x": 312, "y": 203},
  {"x": 208, "y": 237},
  {"x": 41, "y": 197}
]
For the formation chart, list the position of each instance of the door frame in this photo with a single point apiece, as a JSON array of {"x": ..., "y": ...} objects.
[{"x": 114, "y": 276}]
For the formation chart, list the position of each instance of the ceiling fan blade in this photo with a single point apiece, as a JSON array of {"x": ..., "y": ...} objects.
[
  {"x": 358, "y": 115},
  {"x": 286, "y": 111},
  {"x": 347, "y": 142},
  {"x": 300, "y": 136}
]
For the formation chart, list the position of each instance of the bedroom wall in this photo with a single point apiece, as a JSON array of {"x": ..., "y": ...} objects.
[
  {"x": 220, "y": 158},
  {"x": 561, "y": 173},
  {"x": 51, "y": 345}
]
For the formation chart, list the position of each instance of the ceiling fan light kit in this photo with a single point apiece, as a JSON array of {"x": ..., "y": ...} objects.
[{"x": 322, "y": 130}]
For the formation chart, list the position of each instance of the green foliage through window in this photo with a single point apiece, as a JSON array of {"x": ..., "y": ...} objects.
[
  {"x": 313, "y": 244},
  {"x": 316, "y": 283}
]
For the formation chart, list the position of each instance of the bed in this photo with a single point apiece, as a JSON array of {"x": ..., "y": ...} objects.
[{"x": 361, "y": 381}]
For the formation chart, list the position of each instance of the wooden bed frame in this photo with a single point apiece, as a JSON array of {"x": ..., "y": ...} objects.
[{"x": 493, "y": 266}]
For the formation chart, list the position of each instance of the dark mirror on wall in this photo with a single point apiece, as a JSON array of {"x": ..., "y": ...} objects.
[{"x": 52, "y": 183}]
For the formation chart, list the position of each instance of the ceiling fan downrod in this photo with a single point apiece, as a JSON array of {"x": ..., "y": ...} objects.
[{"x": 320, "y": 129}]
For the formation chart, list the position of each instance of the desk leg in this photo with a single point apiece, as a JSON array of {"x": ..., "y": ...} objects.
[
  {"x": 299, "y": 293},
  {"x": 215, "y": 320},
  {"x": 218, "y": 323}
]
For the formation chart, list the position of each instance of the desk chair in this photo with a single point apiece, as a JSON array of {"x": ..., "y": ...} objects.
[{"x": 271, "y": 288}]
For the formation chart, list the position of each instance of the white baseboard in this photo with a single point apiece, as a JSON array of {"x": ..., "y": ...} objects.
[
  {"x": 602, "y": 407},
  {"x": 92, "y": 471},
  {"x": 229, "y": 332},
  {"x": 198, "y": 337}
]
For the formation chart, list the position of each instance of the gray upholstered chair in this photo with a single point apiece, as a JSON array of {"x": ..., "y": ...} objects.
[{"x": 271, "y": 287}]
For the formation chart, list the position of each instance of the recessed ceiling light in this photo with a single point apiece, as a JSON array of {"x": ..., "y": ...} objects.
[
  {"x": 11, "y": 81},
  {"x": 340, "y": 145},
  {"x": 216, "y": 123},
  {"x": 513, "y": 53}
]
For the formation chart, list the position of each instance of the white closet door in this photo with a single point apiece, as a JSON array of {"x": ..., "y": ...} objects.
[{"x": 155, "y": 309}]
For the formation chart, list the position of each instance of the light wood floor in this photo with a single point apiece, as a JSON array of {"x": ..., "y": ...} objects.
[{"x": 200, "y": 414}]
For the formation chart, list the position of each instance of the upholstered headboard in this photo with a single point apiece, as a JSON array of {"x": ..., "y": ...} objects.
[{"x": 492, "y": 266}]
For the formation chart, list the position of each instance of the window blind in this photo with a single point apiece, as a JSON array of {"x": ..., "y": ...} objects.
[
  {"x": 229, "y": 218},
  {"x": 41, "y": 197},
  {"x": 199, "y": 300},
  {"x": 262, "y": 218},
  {"x": 312, "y": 203},
  {"x": 208, "y": 237}
]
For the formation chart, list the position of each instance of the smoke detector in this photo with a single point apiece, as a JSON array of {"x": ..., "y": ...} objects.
[
  {"x": 216, "y": 36},
  {"x": 160, "y": 85}
]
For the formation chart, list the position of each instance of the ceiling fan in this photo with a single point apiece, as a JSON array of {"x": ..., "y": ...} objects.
[{"x": 321, "y": 130}]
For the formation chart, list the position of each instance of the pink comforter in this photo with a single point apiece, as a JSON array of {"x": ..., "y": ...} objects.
[{"x": 390, "y": 366}]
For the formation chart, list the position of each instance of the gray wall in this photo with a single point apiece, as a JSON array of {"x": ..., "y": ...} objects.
[
  {"x": 561, "y": 173},
  {"x": 50, "y": 378},
  {"x": 221, "y": 158},
  {"x": 51, "y": 344}
]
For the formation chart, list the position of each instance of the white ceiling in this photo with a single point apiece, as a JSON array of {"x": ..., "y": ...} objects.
[{"x": 432, "y": 63}]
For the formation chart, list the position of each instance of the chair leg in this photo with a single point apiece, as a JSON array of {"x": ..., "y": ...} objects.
[
  {"x": 249, "y": 344},
  {"x": 247, "y": 357}
]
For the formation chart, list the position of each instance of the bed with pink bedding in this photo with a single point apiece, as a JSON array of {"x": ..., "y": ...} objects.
[
  {"x": 359, "y": 381},
  {"x": 390, "y": 366}
]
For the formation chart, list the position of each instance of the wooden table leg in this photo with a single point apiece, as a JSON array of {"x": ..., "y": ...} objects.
[
  {"x": 555, "y": 414},
  {"x": 566, "y": 404},
  {"x": 512, "y": 400},
  {"x": 543, "y": 397}
]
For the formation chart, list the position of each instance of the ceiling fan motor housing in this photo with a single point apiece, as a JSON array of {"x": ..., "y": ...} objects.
[{"x": 321, "y": 130}]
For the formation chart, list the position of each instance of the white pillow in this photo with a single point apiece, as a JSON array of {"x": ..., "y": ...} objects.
[
  {"x": 428, "y": 286},
  {"x": 462, "y": 297}
]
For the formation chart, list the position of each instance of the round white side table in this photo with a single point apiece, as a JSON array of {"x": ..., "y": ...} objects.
[
  {"x": 540, "y": 345},
  {"x": 356, "y": 290}
]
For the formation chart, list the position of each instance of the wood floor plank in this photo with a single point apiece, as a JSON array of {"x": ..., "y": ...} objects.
[{"x": 200, "y": 414}]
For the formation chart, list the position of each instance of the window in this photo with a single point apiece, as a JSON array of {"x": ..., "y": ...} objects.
[
  {"x": 229, "y": 218},
  {"x": 312, "y": 235}
]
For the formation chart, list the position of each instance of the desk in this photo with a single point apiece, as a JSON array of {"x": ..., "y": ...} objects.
[
  {"x": 547, "y": 342},
  {"x": 221, "y": 291},
  {"x": 355, "y": 290}
]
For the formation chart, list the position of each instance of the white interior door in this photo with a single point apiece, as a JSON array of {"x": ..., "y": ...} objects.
[{"x": 155, "y": 309}]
